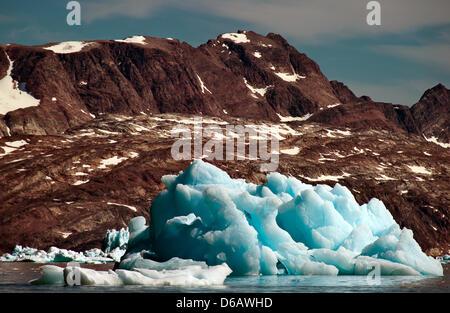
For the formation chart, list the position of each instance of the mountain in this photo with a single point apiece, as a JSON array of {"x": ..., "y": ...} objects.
[
  {"x": 85, "y": 132},
  {"x": 243, "y": 74},
  {"x": 432, "y": 113}
]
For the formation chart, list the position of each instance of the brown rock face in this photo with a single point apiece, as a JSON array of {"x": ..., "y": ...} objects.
[
  {"x": 343, "y": 93},
  {"x": 67, "y": 190},
  {"x": 256, "y": 77},
  {"x": 432, "y": 113}
]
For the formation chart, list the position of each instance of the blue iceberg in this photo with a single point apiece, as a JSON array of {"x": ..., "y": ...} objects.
[
  {"x": 206, "y": 226},
  {"x": 282, "y": 227}
]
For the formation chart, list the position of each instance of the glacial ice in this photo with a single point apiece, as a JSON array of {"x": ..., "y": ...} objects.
[
  {"x": 185, "y": 274},
  {"x": 114, "y": 247},
  {"x": 54, "y": 254},
  {"x": 115, "y": 243},
  {"x": 282, "y": 227},
  {"x": 206, "y": 225}
]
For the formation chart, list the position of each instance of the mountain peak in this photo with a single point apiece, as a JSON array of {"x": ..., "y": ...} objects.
[
  {"x": 437, "y": 90},
  {"x": 432, "y": 113}
]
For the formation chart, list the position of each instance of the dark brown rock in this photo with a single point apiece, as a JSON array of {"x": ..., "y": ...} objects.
[{"x": 432, "y": 113}]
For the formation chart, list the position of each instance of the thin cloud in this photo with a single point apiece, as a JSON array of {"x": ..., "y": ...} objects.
[
  {"x": 93, "y": 11},
  {"x": 313, "y": 21},
  {"x": 434, "y": 54},
  {"x": 6, "y": 19}
]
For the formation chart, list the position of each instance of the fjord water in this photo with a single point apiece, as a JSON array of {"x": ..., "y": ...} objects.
[{"x": 14, "y": 277}]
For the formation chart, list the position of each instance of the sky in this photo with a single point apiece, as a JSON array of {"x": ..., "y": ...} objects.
[{"x": 392, "y": 62}]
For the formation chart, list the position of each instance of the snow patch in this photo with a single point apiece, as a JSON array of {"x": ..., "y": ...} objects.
[
  {"x": 12, "y": 146},
  {"x": 257, "y": 54},
  {"x": 132, "y": 208},
  {"x": 328, "y": 177},
  {"x": 133, "y": 39},
  {"x": 384, "y": 177},
  {"x": 111, "y": 161},
  {"x": 289, "y": 77},
  {"x": 434, "y": 140},
  {"x": 294, "y": 118},
  {"x": 17, "y": 143},
  {"x": 202, "y": 85},
  {"x": 13, "y": 95},
  {"x": 259, "y": 91},
  {"x": 68, "y": 47},
  {"x": 419, "y": 169},
  {"x": 80, "y": 182},
  {"x": 235, "y": 37},
  {"x": 292, "y": 151},
  {"x": 333, "y": 105}
]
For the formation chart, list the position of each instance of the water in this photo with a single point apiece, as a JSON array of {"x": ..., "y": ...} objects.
[{"x": 14, "y": 277}]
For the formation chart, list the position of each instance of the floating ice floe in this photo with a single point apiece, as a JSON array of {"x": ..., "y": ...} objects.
[
  {"x": 184, "y": 273},
  {"x": 114, "y": 247},
  {"x": 54, "y": 254},
  {"x": 444, "y": 259}
]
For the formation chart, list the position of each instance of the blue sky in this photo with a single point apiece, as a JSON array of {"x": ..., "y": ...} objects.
[{"x": 395, "y": 62}]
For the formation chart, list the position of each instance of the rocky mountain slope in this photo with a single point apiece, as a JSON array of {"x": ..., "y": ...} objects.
[
  {"x": 432, "y": 113},
  {"x": 242, "y": 74},
  {"x": 67, "y": 190},
  {"x": 85, "y": 133}
]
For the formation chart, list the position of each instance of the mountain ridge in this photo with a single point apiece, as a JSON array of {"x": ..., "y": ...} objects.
[{"x": 243, "y": 74}]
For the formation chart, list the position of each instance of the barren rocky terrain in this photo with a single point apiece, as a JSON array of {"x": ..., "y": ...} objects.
[{"x": 68, "y": 190}]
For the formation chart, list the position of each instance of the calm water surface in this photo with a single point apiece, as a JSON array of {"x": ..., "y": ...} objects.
[{"x": 14, "y": 277}]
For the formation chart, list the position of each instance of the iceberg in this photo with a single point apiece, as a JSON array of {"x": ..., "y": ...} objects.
[
  {"x": 114, "y": 247},
  {"x": 281, "y": 227},
  {"x": 206, "y": 226},
  {"x": 115, "y": 243},
  {"x": 186, "y": 275}
]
